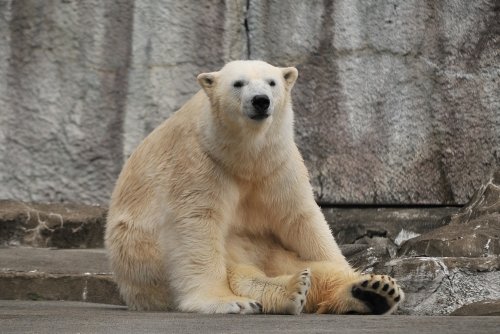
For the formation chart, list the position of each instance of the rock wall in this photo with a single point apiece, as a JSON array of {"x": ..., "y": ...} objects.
[{"x": 397, "y": 101}]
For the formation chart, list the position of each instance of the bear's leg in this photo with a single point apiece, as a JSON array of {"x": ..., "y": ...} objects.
[
  {"x": 335, "y": 287},
  {"x": 340, "y": 292},
  {"x": 195, "y": 257},
  {"x": 278, "y": 295},
  {"x": 138, "y": 267}
]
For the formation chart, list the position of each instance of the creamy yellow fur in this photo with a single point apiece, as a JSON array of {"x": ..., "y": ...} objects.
[{"x": 214, "y": 211}]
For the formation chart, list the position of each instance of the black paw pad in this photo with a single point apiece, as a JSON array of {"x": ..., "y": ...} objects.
[
  {"x": 376, "y": 285},
  {"x": 391, "y": 292},
  {"x": 385, "y": 287},
  {"x": 256, "y": 306},
  {"x": 364, "y": 284},
  {"x": 374, "y": 301}
]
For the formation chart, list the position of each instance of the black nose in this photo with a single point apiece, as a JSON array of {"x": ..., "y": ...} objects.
[{"x": 260, "y": 103}]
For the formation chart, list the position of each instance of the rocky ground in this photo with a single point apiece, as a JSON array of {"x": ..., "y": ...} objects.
[{"x": 446, "y": 258}]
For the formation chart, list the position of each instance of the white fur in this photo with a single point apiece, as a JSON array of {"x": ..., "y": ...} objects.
[{"x": 210, "y": 195}]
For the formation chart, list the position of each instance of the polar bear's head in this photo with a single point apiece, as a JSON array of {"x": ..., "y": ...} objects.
[{"x": 249, "y": 91}]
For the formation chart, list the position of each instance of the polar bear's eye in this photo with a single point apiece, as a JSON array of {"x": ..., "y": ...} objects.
[
  {"x": 238, "y": 84},
  {"x": 272, "y": 83}
]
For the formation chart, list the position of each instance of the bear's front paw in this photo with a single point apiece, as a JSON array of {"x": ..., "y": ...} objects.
[
  {"x": 224, "y": 305},
  {"x": 241, "y": 306},
  {"x": 379, "y": 293}
]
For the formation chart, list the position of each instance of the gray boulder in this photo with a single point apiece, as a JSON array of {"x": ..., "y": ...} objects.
[
  {"x": 440, "y": 285},
  {"x": 473, "y": 232}
]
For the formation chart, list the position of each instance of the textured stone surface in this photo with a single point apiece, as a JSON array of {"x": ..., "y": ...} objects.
[
  {"x": 439, "y": 286},
  {"x": 397, "y": 101},
  {"x": 472, "y": 240},
  {"x": 51, "y": 225},
  {"x": 62, "y": 97},
  {"x": 83, "y": 82},
  {"x": 473, "y": 232}
]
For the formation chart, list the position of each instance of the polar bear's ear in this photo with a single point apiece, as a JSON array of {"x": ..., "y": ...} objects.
[
  {"x": 290, "y": 74},
  {"x": 207, "y": 80}
]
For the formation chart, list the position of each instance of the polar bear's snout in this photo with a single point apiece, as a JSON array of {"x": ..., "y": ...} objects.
[
  {"x": 260, "y": 105},
  {"x": 258, "y": 100}
]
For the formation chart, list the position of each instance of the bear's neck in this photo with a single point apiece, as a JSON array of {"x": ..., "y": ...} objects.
[{"x": 249, "y": 153}]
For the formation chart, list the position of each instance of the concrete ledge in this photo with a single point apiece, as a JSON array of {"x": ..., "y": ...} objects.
[
  {"x": 51, "y": 225},
  {"x": 54, "y": 261},
  {"x": 48, "y": 274},
  {"x": 350, "y": 224},
  {"x": 94, "y": 288},
  {"x": 82, "y": 226}
]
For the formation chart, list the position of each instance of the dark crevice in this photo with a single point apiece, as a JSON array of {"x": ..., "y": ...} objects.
[
  {"x": 372, "y": 233},
  {"x": 247, "y": 30},
  {"x": 118, "y": 36}
]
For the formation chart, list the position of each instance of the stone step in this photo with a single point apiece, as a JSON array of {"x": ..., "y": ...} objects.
[
  {"x": 82, "y": 226},
  {"x": 84, "y": 275},
  {"x": 56, "y": 274}
]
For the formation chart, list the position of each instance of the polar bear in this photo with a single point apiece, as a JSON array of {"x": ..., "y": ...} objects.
[{"x": 214, "y": 211}]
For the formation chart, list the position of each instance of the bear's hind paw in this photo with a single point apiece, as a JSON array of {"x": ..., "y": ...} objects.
[
  {"x": 297, "y": 290},
  {"x": 380, "y": 293}
]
